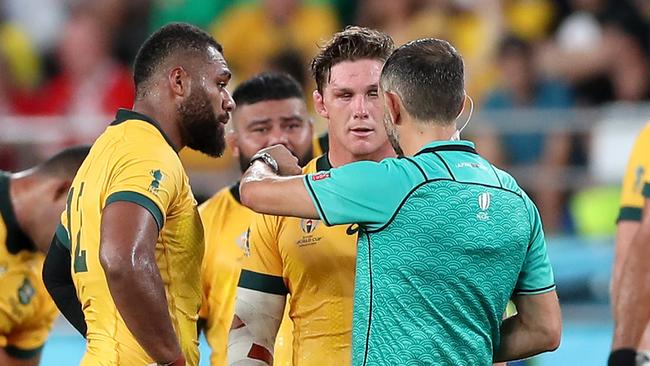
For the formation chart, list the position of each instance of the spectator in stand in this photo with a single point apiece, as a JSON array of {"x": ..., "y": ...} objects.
[
  {"x": 602, "y": 48},
  {"x": 90, "y": 82},
  {"x": 253, "y": 33},
  {"x": 519, "y": 89}
]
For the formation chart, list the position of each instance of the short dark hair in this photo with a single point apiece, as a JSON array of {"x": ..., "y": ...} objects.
[
  {"x": 428, "y": 75},
  {"x": 169, "y": 40},
  {"x": 64, "y": 164},
  {"x": 352, "y": 44},
  {"x": 267, "y": 86}
]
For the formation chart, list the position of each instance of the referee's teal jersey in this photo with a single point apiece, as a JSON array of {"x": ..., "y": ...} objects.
[{"x": 445, "y": 240}]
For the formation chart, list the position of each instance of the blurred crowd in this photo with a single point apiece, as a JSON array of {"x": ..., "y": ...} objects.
[{"x": 72, "y": 59}]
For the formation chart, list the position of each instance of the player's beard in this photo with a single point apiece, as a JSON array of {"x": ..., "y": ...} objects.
[
  {"x": 245, "y": 161},
  {"x": 201, "y": 128},
  {"x": 393, "y": 135}
]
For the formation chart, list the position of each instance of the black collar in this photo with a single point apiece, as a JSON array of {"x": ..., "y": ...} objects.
[
  {"x": 16, "y": 240},
  {"x": 234, "y": 190},
  {"x": 127, "y": 114},
  {"x": 323, "y": 163},
  {"x": 450, "y": 147}
]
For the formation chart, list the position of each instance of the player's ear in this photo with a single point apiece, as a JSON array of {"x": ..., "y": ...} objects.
[
  {"x": 319, "y": 105},
  {"x": 393, "y": 106},
  {"x": 231, "y": 140},
  {"x": 179, "y": 81}
]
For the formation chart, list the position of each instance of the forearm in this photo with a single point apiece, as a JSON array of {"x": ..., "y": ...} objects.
[
  {"x": 518, "y": 341},
  {"x": 58, "y": 281},
  {"x": 625, "y": 232},
  {"x": 139, "y": 295},
  {"x": 633, "y": 293},
  {"x": 254, "y": 328}
]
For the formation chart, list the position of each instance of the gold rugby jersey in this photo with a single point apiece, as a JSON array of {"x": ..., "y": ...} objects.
[
  {"x": 636, "y": 184},
  {"x": 315, "y": 264},
  {"x": 133, "y": 160},
  {"x": 26, "y": 310},
  {"x": 225, "y": 223}
]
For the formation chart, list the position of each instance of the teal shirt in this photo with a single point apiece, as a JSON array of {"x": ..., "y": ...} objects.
[{"x": 445, "y": 240}]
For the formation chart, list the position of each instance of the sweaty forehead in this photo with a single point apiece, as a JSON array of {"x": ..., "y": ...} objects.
[{"x": 216, "y": 63}]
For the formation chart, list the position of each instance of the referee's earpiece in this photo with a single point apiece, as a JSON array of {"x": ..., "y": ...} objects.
[{"x": 456, "y": 135}]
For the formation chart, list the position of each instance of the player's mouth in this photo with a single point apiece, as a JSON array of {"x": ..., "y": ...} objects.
[
  {"x": 361, "y": 131},
  {"x": 223, "y": 118}
]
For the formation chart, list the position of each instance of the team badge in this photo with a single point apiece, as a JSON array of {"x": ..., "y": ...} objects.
[
  {"x": 483, "y": 204},
  {"x": 26, "y": 292},
  {"x": 158, "y": 177},
  {"x": 320, "y": 176}
]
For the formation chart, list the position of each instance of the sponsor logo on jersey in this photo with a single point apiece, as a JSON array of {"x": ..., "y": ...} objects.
[
  {"x": 320, "y": 176},
  {"x": 308, "y": 226},
  {"x": 158, "y": 177},
  {"x": 26, "y": 292},
  {"x": 483, "y": 204}
]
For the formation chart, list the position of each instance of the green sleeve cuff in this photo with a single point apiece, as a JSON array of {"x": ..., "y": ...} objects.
[
  {"x": 262, "y": 282},
  {"x": 629, "y": 214},
  {"x": 141, "y": 200},
  {"x": 646, "y": 190},
  {"x": 62, "y": 236},
  {"x": 23, "y": 354}
]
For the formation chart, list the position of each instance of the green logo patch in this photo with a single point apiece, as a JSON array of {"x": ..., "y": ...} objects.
[{"x": 158, "y": 176}]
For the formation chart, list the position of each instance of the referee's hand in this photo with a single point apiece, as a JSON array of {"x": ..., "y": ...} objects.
[
  {"x": 287, "y": 162},
  {"x": 622, "y": 357},
  {"x": 180, "y": 361}
]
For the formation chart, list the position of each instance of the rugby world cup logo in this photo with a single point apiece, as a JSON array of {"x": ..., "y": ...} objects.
[{"x": 483, "y": 204}]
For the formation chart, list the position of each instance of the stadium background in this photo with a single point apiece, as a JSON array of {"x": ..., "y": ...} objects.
[{"x": 561, "y": 88}]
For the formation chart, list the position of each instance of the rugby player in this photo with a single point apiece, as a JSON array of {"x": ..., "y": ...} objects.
[
  {"x": 303, "y": 258},
  {"x": 131, "y": 235},
  {"x": 630, "y": 283},
  {"x": 31, "y": 202},
  {"x": 445, "y": 238},
  {"x": 270, "y": 110}
]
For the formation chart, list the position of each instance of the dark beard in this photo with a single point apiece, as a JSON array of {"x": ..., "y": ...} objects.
[
  {"x": 245, "y": 161},
  {"x": 200, "y": 128}
]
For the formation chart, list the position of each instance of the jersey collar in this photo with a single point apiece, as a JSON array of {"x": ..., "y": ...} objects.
[
  {"x": 16, "y": 240},
  {"x": 323, "y": 163},
  {"x": 448, "y": 145},
  {"x": 234, "y": 191},
  {"x": 127, "y": 114}
]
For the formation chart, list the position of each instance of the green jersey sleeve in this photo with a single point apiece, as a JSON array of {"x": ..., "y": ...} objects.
[
  {"x": 536, "y": 275},
  {"x": 367, "y": 193}
]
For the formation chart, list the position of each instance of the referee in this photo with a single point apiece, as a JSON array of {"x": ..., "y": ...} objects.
[{"x": 445, "y": 237}]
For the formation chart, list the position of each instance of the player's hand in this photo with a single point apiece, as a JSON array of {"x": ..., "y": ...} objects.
[
  {"x": 180, "y": 361},
  {"x": 622, "y": 357},
  {"x": 287, "y": 162}
]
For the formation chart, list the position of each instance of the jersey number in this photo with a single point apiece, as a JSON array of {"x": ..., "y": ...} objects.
[{"x": 79, "y": 264}]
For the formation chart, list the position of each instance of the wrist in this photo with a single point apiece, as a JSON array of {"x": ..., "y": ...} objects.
[
  {"x": 622, "y": 357},
  {"x": 267, "y": 159}
]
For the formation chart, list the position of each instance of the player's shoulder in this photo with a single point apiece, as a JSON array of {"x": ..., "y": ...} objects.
[
  {"x": 508, "y": 182},
  {"x": 643, "y": 140},
  {"x": 225, "y": 197}
]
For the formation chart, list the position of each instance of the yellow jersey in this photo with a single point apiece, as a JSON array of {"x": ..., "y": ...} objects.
[
  {"x": 315, "y": 264},
  {"x": 26, "y": 310},
  {"x": 134, "y": 161},
  {"x": 225, "y": 223},
  {"x": 636, "y": 184}
]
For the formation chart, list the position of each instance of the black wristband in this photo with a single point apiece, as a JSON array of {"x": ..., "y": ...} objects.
[{"x": 622, "y": 357}]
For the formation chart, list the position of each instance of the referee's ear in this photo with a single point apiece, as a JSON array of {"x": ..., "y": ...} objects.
[{"x": 394, "y": 107}]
